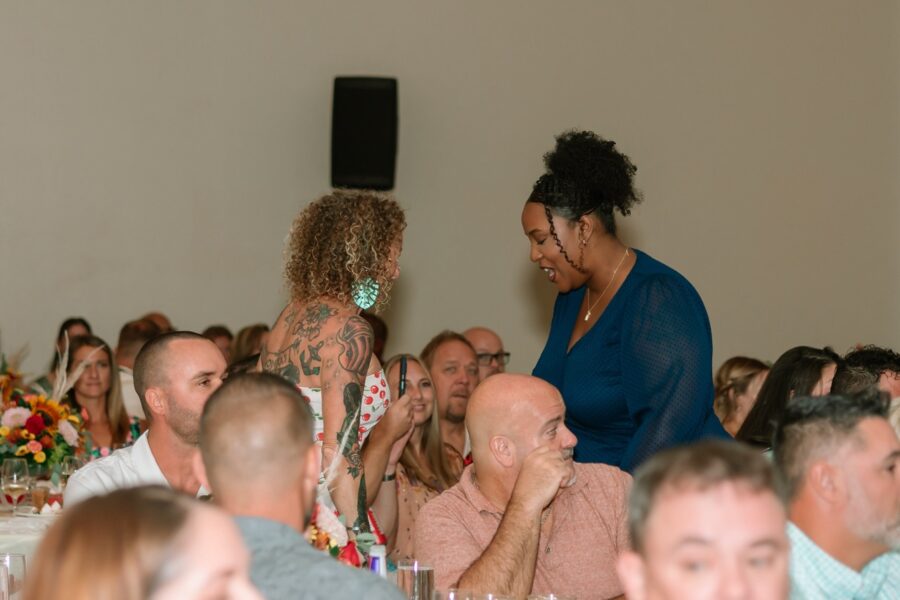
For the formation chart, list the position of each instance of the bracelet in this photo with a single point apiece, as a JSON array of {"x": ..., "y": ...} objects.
[{"x": 389, "y": 477}]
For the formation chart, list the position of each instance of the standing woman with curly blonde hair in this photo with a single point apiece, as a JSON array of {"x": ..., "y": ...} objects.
[{"x": 342, "y": 257}]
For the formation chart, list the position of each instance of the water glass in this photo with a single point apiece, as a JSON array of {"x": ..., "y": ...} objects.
[
  {"x": 491, "y": 597},
  {"x": 14, "y": 580},
  {"x": 415, "y": 579},
  {"x": 453, "y": 594},
  {"x": 549, "y": 597}
]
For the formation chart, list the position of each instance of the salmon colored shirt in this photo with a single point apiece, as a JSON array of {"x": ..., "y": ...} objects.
[{"x": 575, "y": 559}]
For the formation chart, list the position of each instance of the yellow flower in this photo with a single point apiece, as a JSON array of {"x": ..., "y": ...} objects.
[
  {"x": 21, "y": 451},
  {"x": 40, "y": 457},
  {"x": 4, "y": 431}
]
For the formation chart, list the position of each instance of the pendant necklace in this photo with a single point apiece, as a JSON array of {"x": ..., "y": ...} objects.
[{"x": 606, "y": 289}]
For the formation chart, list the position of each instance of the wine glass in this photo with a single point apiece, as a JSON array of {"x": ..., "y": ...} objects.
[
  {"x": 15, "y": 479},
  {"x": 12, "y": 570},
  {"x": 69, "y": 465}
]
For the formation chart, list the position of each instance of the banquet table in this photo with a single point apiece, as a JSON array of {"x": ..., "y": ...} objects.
[{"x": 21, "y": 534}]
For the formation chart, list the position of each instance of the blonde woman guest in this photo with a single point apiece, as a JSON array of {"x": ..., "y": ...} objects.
[
  {"x": 145, "y": 543},
  {"x": 97, "y": 393},
  {"x": 248, "y": 341},
  {"x": 738, "y": 382},
  {"x": 343, "y": 257},
  {"x": 425, "y": 467}
]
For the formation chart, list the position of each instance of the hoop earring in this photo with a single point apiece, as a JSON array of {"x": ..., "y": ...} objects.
[{"x": 365, "y": 293}]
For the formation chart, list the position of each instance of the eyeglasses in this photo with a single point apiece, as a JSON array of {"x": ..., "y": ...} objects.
[{"x": 485, "y": 359}]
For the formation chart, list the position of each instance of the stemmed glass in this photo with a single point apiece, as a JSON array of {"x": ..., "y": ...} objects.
[
  {"x": 69, "y": 465},
  {"x": 15, "y": 479}
]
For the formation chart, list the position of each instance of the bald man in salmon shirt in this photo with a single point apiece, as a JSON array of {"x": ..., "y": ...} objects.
[{"x": 524, "y": 518}]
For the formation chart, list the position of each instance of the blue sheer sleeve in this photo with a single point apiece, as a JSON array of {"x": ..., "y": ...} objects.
[{"x": 666, "y": 366}]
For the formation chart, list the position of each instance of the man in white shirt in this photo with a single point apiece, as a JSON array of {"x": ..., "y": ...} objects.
[
  {"x": 174, "y": 375},
  {"x": 132, "y": 338}
]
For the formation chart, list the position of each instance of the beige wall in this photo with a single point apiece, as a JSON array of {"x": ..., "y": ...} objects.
[{"x": 152, "y": 155}]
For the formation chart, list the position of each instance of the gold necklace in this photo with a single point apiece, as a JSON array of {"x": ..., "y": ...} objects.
[{"x": 606, "y": 289}]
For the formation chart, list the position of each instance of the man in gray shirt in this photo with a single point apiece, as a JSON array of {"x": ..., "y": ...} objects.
[{"x": 259, "y": 460}]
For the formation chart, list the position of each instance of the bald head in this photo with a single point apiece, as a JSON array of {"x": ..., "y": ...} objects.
[
  {"x": 255, "y": 428},
  {"x": 510, "y": 405},
  {"x": 492, "y": 358}
]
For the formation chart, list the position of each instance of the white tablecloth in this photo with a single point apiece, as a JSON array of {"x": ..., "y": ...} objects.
[{"x": 21, "y": 535}]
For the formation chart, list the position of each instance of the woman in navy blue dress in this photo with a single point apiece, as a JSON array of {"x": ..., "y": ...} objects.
[{"x": 630, "y": 345}]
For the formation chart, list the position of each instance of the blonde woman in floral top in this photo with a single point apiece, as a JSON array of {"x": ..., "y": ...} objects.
[{"x": 424, "y": 469}]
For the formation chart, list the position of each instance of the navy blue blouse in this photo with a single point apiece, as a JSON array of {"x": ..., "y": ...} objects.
[{"x": 640, "y": 379}]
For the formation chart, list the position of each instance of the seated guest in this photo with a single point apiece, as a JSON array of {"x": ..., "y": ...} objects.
[
  {"x": 853, "y": 380},
  {"x": 737, "y": 384},
  {"x": 160, "y": 320},
  {"x": 425, "y": 468},
  {"x": 801, "y": 371},
  {"x": 72, "y": 327},
  {"x": 379, "y": 333},
  {"x": 132, "y": 338},
  {"x": 492, "y": 358},
  {"x": 453, "y": 368},
  {"x": 268, "y": 482},
  {"x": 884, "y": 363},
  {"x": 840, "y": 461},
  {"x": 222, "y": 337},
  {"x": 97, "y": 395},
  {"x": 706, "y": 521},
  {"x": 524, "y": 518},
  {"x": 249, "y": 341},
  {"x": 146, "y": 543},
  {"x": 174, "y": 374}
]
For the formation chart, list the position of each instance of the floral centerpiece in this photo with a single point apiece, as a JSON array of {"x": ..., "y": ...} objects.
[{"x": 38, "y": 428}]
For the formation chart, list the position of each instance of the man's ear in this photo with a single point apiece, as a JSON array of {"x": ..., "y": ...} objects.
[
  {"x": 503, "y": 450},
  {"x": 156, "y": 400},
  {"x": 826, "y": 481},
  {"x": 312, "y": 464},
  {"x": 200, "y": 470},
  {"x": 632, "y": 575}
]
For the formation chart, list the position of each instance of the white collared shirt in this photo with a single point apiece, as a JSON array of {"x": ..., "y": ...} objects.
[{"x": 125, "y": 468}]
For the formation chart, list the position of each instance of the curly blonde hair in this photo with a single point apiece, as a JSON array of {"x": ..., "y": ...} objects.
[{"x": 340, "y": 239}]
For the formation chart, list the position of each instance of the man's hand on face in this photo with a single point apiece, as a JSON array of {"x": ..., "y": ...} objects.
[{"x": 544, "y": 472}]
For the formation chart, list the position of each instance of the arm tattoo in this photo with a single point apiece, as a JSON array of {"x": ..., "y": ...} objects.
[
  {"x": 350, "y": 428},
  {"x": 356, "y": 345}
]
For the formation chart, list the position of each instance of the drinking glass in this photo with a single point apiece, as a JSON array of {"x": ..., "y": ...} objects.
[
  {"x": 453, "y": 594},
  {"x": 14, "y": 565},
  {"x": 15, "y": 480},
  {"x": 415, "y": 579},
  {"x": 69, "y": 465},
  {"x": 549, "y": 597},
  {"x": 491, "y": 597}
]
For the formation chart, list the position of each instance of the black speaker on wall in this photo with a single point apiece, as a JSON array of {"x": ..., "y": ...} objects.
[{"x": 364, "y": 132}]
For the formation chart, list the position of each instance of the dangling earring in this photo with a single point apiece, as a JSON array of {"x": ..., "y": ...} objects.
[{"x": 365, "y": 292}]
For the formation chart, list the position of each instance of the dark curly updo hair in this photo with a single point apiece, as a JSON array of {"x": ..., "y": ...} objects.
[
  {"x": 586, "y": 174},
  {"x": 340, "y": 239}
]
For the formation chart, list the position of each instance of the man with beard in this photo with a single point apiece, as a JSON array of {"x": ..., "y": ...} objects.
[
  {"x": 174, "y": 375},
  {"x": 840, "y": 461},
  {"x": 451, "y": 361},
  {"x": 259, "y": 459},
  {"x": 524, "y": 518}
]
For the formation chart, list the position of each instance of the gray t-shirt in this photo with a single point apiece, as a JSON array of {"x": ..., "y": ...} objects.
[{"x": 285, "y": 567}]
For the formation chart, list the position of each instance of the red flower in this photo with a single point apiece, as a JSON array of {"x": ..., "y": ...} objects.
[
  {"x": 35, "y": 424},
  {"x": 46, "y": 442}
]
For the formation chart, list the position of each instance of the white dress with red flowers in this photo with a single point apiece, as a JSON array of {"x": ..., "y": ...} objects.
[
  {"x": 376, "y": 399},
  {"x": 375, "y": 402}
]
